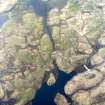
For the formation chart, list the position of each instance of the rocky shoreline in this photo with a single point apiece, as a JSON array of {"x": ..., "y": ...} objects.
[{"x": 34, "y": 46}]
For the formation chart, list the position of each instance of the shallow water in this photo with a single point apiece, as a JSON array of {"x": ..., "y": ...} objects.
[{"x": 3, "y": 19}]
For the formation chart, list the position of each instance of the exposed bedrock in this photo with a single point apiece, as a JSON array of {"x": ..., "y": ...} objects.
[
  {"x": 25, "y": 57},
  {"x": 6, "y": 5},
  {"x": 87, "y": 88},
  {"x": 61, "y": 100},
  {"x": 66, "y": 36}
]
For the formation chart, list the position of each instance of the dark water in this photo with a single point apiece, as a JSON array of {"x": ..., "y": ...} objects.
[
  {"x": 42, "y": 8},
  {"x": 46, "y": 94}
]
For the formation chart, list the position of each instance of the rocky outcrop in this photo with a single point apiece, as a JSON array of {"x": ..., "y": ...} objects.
[
  {"x": 71, "y": 47},
  {"x": 60, "y": 100},
  {"x": 7, "y": 5},
  {"x": 87, "y": 88},
  {"x": 32, "y": 46},
  {"x": 78, "y": 33},
  {"x": 24, "y": 58}
]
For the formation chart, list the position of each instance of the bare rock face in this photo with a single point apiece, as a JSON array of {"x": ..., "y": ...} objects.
[
  {"x": 87, "y": 88},
  {"x": 24, "y": 58},
  {"x": 65, "y": 36},
  {"x": 71, "y": 44},
  {"x": 98, "y": 58},
  {"x": 61, "y": 100},
  {"x": 78, "y": 33},
  {"x": 6, "y": 5},
  {"x": 1, "y": 92}
]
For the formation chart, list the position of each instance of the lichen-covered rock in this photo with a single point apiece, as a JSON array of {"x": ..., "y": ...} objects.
[
  {"x": 77, "y": 32},
  {"x": 25, "y": 57},
  {"x": 61, "y": 100},
  {"x": 84, "y": 81},
  {"x": 71, "y": 47},
  {"x": 1, "y": 92},
  {"x": 87, "y": 88},
  {"x": 64, "y": 36},
  {"x": 51, "y": 80},
  {"x": 99, "y": 57}
]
